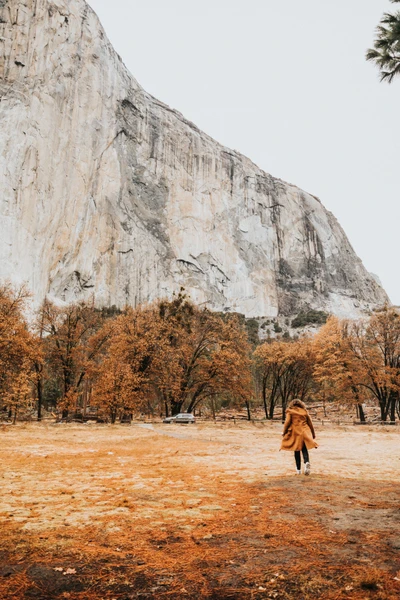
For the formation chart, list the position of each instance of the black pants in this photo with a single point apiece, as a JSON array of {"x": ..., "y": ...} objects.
[{"x": 297, "y": 456}]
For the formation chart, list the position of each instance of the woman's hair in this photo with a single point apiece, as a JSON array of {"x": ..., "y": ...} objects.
[{"x": 297, "y": 402}]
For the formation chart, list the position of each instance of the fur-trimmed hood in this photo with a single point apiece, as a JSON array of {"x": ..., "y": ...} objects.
[{"x": 297, "y": 402}]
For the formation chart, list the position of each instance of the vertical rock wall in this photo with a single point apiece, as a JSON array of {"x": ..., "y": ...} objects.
[{"x": 106, "y": 191}]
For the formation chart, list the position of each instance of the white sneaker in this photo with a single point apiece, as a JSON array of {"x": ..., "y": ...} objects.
[
  {"x": 307, "y": 469},
  {"x": 298, "y": 471}
]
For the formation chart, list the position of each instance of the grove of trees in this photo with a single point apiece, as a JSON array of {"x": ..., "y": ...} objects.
[{"x": 172, "y": 356}]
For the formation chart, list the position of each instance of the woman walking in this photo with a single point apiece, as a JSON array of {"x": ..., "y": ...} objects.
[{"x": 298, "y": 434}]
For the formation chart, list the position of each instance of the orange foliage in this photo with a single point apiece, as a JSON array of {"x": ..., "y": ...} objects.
[
  {"x": 18, "y": 349},
  {"x": 355, "y": 359},
  {"x": 175, "y": 352},
  {"x": 376, "y": 350},
  {"x": 131, "y": 353},
  {"x": 71, "y": 339},
  {"x": 285, "y": 369},
  {"x": 335, "y": 369}
]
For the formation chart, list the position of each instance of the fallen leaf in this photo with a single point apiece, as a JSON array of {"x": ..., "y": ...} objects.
[{"x": 69, "y": 572}]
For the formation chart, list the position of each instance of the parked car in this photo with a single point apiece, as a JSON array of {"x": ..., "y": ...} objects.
[{"x": 181, "y": 418}]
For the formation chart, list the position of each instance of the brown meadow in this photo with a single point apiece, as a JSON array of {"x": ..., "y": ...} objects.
[{"x": 94, "y": 512}]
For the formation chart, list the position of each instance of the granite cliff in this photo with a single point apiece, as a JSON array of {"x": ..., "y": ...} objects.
[{"x": 106, "y": 191}]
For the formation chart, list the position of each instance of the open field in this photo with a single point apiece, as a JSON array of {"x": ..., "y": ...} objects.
[{"x": 206, "y": 511}]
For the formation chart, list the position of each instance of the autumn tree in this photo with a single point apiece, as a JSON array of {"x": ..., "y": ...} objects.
[
  {"x": 358, "y": 358},
  {"x": 18, "y": 396},
  {"x": 176, "y": 353},
  {"x": 207, "y": 355},
  {"x": 375, "y": 346},
  {"x": 123, "y": 371},
  {"x": 72, "y": 340},
  {"x": 114, "y": 387},
  {"x": 285, "y": 371},
  {"x": 336, "y": 369},
  {"x": 17, "y": 349}
]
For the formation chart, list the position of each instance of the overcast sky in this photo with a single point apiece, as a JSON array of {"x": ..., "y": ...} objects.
[{"x": 285, "y": 83}]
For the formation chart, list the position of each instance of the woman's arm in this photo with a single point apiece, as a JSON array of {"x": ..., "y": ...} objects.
[
  {"x": 287, "y": 423},
  {"x": 311, "y": 426}
]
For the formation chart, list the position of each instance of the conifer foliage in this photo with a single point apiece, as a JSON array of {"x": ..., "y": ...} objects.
[{"x": 386, "y": 51}]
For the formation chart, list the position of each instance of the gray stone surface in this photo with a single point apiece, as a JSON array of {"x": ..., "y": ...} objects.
[{"x": 106, "y": 191}]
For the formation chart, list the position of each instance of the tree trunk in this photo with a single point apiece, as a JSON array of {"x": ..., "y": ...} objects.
[
  {"x": 113, "y": 415},
  {"x": 271, "y": 407},
  {"x": 166, "y": 409},
  {"x": 382, "y": 406},
  {"x": 213, "y": 408},
  {"x": 361, "y": 413},
  {"x": 39, "y": 388},
  {"x": 247, "y": 403},
  {"x": 393, "y": 409},
  {"x": 284, "y": 405},
  {"x": 264, "y": 395},
  {"x": 175, "y": 408}
]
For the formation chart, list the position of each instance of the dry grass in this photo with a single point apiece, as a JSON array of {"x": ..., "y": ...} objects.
[{"x": 99, "y": 512}]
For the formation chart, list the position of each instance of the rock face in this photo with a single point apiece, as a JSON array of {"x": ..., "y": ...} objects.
[{"x": 106, "y": 191}]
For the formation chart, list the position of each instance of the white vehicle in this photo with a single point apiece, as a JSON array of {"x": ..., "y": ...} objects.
[{"x": 181, "y": 418}]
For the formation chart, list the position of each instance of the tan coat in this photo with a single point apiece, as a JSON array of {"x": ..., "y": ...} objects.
[{"x": 298, "y": 430}]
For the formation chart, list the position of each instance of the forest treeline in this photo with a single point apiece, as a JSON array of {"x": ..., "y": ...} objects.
[{"x": 172, "y": 356}]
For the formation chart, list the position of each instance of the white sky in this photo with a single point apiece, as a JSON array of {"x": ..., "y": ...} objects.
[{"x": 285, "y": 83}]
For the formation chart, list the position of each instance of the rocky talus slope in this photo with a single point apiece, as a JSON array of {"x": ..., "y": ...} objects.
[{"x": 106, "y": 191}]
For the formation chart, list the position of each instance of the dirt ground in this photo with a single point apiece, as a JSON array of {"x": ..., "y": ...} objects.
[{"x": 197, "y": 511}]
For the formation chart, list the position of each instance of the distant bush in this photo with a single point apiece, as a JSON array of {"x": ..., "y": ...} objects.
[
  {"x": 311, "y": 317},
  {"x": 277, "y": 329},
  {"x": 252, "y": 327}
]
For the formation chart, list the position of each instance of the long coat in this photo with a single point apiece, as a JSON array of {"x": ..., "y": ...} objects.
[{"x": 298, "y": 430}]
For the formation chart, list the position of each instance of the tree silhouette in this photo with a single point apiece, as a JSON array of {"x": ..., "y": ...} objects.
[{"x": 386, "y": 51}]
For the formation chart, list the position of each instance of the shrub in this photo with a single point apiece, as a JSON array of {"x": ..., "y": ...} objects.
[{"x": 311, "y": 317}]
